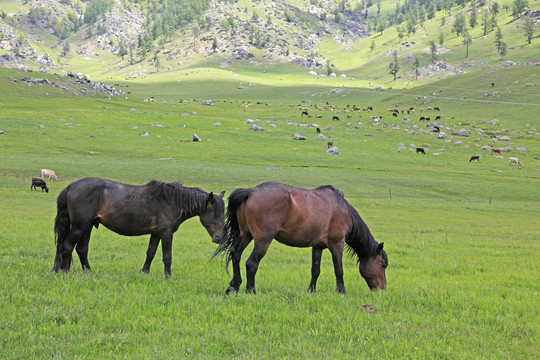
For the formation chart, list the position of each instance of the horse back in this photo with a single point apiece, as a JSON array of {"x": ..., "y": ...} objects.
[{"x": 296, "y": 217}]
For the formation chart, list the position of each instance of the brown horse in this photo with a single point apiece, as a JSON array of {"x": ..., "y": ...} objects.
[
  {"x": 156, "y": 208},
  {"x": 319, "y": 218},
  {"x": 496, "y": 150}
]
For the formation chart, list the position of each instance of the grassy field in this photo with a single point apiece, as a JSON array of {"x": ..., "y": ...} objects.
[{"x": 462, "y": 239}]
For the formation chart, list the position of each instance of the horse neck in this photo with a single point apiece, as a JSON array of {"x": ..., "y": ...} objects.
[{"x": 360, "y": 240}]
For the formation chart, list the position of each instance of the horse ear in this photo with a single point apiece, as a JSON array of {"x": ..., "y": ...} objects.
[
  {"x": 211, "y": 198},
  {"x": 222, "y": 194},
  {"x": 380, "y": 248}
]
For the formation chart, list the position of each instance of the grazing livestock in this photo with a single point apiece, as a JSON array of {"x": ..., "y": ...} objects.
[
  {"x": 39, "y": 183},
  {"x": 335, "y": 118},
  {"x": 156, "y": 208},
  {"x": 319, "y": 218},
  {"x": 420, "y": 150},
  {"x": 436, "y": 129},
  {"x": 318, "y": 130},
  {"x": 436, "y": 109},
  {"x": 475, "y": 157},
  {"x": 438, "y": 117},
  {"x": 394, "y": 114},
  {"x": 304, "y": 113},
  {"x": 496, "y": 150},
  {"x": 330, "y": 144},
  {"x": 48, "y": 173},
  {"x": 513, "y": 160}
]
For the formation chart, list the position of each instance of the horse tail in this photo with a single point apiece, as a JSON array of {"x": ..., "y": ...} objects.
[
  {"x": 232, "y": 238},
  {"x": 62, "y": 225}
]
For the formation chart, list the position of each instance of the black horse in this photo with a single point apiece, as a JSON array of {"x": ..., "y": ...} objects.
[
  {"x": 319, "y": 218},
  {"x": 156, "y": 208}
]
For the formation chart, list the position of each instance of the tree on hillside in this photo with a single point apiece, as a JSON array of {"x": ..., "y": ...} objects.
[
  {"x": 328, "y": 67},
  {"x": 485, "y": 21},
  {"x": 214, "y": 45},
  {"x": 65, "y": 49},
  {"x": 518, "y": 6},
  {"x": 498, "y": 39},
  {"x": 372, "y": 46},
  {"x": 503, "y": 50},
  {"x": 467, "y": 40},
  {"x": 441, "y": 39},
  {"x": 122, "y": 50},
  {"x": 394, "y": 65},
  {"x": 433, "y": 51},
  {"x": 473, "y": 18},
  {"x": 460, "y": 24},
  {"x": 416, "y": 65},
  {"x": 156, "y": 62},
  {"x": 529, "y": 26}
]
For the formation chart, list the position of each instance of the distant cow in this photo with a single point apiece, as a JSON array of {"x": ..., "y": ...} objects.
[
  {"x": 496, "y": 150},
  {"x": 475, "y": 157},
  {"x": 49, "y": 174},
  {"x": 318, "y": 130},
  {"x": 330, "y": 144},
  {"x": 335, "y": 118},
  {"x": 436, "y": 109},
  {"x": 39, "y": 183},
  {"x": 420, "y": 150},
  {"x": 513, "y": 160},
  {"x": 304, "y": 113}
]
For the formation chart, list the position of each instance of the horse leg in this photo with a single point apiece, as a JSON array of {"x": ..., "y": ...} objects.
[
  {"x": 82, "y": 248},
  {"x": 166, "y": 249},
  {"x": 236, "y": 256},
  {"x": 72, "y": 239},
  {"x": 316, "y": 255},
  {"x": 150, "y": 253},
  {"x": 252, "y": 263},
  {"x": 337, "y": 255}
]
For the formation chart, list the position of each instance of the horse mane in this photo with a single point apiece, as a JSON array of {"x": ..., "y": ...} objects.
[
  {"x": 360, "y": 242},
  {"x": 190, "y": 200}
]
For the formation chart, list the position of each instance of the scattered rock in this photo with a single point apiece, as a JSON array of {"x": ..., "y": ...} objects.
[
  {"x": 333, "y": 151},
  {"x": 196, "y": 137},
  {"x": 254, "y": 127}
]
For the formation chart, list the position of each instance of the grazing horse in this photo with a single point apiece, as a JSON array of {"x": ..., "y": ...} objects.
[
  {"x": 304, "y": 113},
  {"x": 39, "y": 183},
  {"x": 514, "y": 160},
  {"x": 475, "y": 157},
  {"x": 335, "y": 118},
  {"x": 156, "y": 208},
  {"x": 496, "y": 150},
  {"x": 319, "y": 218},
  {"x": 48, "y": 173},
  {"x": 436, "y": 109},
  {"x": 420, "y": 150}
]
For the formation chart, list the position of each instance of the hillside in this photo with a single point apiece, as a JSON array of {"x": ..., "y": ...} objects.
[{"x": 354, "y": 39}]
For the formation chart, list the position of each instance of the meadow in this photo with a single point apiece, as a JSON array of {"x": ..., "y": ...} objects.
[{"x": 462, "y": 238}]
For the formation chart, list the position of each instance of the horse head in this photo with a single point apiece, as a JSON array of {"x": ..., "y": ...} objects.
[
  {"x": 213, "y": 216},
  {"x": 373, "y": 269}
]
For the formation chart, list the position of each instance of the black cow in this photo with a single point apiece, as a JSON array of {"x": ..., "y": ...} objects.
[
  {"x": 420, "y": 150},
  {"x": 39, "y": 183}
]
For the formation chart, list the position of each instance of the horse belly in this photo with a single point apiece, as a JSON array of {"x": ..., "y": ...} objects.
[{"x": 128, "y": 224}]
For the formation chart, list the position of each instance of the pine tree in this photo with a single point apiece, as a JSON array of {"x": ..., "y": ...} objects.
[
  {"x": 529, "y": 26},
  {"x": 394, "y": 65},
  {"x": 467, "y": 40},
  {"x": 416, "y": 65},
  {"x": 503, "y": 50},
  {"x": 498, "y": 39},
  {"x": 433, "y": 51}
]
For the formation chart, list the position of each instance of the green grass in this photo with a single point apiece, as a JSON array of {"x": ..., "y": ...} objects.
[{"x": 462, "y": 240}]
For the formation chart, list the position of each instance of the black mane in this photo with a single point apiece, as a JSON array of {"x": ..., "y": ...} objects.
[
  {"x": 360, "y": 242},
  {"x": 190, "y": 200}
]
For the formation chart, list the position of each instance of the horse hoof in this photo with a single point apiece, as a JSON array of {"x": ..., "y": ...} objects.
[
  {"x": 145, "y": 271},
  {"x": 231, "y": 289}
]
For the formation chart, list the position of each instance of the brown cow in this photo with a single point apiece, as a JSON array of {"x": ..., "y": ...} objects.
[{"x": 496, "y": 150}]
